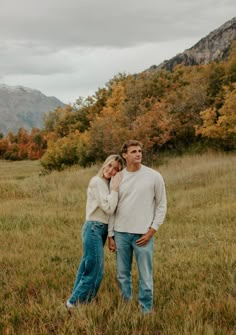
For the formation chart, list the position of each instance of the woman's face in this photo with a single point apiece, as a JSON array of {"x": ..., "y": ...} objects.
[{"x": 111, "y": 169}]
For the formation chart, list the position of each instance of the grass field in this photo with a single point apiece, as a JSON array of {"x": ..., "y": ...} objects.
[{"x": 195, "y": 253}]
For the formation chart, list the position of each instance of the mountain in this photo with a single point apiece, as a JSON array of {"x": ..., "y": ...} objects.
[
  {"x": 23, "y": 107},
  {"x": 214, "y": 47}
]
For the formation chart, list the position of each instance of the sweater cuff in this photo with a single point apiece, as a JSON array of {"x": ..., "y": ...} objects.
[{"x": 116, "y": 192}]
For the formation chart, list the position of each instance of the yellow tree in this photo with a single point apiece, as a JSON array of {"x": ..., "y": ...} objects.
[
  {"x": 61, "y": 153},
  {"x": 109, "y": 129},
  {"x": 221, "y": 124},
  {"x": 59, "y": 121}
]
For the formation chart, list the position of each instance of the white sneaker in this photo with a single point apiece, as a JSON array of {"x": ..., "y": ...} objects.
[{"x": 69, "y": 305}]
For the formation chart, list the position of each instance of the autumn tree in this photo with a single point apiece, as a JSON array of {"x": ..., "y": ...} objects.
[
  {"x": 4, "y": 144},
  {"x": 141, "y": 87},
  {"x": 215, "y": 83},
  {"x": 230, "y": 66},
  {"x": 164, "y": 109},
  {"x": 110, "y": 128},
  {"x": 186, "y": 102},
  {"x": 59, "y": 121},
  {"x": 153, "y": 127},
  {"x": 220, "y": 124},
  {"x": 37, "y": 145},
  {"x": 66, "y": 151}
]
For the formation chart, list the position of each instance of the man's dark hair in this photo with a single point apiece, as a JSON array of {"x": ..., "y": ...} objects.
[{"x": 130, "y": 143}]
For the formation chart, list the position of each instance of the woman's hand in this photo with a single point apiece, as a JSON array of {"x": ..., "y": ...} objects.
[
  {"x": 115, "y": 182},
  {"x": 112, "y": 244}
]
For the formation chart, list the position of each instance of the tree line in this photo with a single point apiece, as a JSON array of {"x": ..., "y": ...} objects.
[
  {"x": 166, "y": 110},
  {"x": 23, "y": 144}
]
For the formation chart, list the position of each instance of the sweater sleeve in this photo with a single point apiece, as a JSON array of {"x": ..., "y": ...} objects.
[
  {"x": 106, "y": 201},
  {"x": 161, "y": 203},
  {"x": 111, "y": 225}
]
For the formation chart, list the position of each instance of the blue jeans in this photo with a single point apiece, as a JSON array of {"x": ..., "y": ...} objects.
[
  {"x": 91, "y": 268},
  {"x": 126, "y": 246}
]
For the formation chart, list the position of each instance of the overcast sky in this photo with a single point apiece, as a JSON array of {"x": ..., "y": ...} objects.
[{"x": 69, "y": 48}]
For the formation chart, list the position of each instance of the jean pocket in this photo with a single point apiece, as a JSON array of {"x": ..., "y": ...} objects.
[{"x": 99, "y": 225}]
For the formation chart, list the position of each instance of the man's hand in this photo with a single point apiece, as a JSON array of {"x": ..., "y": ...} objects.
[
  {"x": 145, "y": 238},
  {"x": 112, "y": 244}
]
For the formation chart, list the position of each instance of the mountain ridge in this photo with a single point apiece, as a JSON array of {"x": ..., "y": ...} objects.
[
  {"x": 23, "y": 107},
  {"x": 213, "y": 47}
]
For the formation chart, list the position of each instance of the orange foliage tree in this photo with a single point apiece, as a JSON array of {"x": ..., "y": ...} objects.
[
  {"x": 4, "y": 145},
  {"x": 153, "y": 127},
  {"x": 23, "y": 145}
]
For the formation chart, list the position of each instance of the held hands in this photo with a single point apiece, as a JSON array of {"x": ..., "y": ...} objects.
[
  {"x": 112, "y": 244},
  {"x": 145, "y": 238},
  {"x": 115, "y": 182}
]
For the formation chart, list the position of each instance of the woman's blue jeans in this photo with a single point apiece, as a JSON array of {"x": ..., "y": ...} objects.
[
  {"x": 126, "y": 246},
  {"x": 91, "y": 268}
]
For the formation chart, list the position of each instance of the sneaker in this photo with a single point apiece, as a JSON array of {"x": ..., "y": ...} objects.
[{"x": 69, "y": 305}]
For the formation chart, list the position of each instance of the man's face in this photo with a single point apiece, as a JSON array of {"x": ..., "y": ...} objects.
[{"x": 133, "y": 155}]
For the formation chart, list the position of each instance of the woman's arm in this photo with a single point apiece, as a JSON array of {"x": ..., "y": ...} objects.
[{"x": 106, "y": 200}]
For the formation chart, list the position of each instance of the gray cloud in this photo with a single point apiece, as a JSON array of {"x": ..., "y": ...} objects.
[
  {"x": 69, "y": 47},
  {"x": 108, "y": 23},
  {"x": 27, "y": 59}
]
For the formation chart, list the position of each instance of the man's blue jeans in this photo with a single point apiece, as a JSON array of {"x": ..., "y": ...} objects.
[
  {"x": 91, "y": 268},
  {"x": 126, "y": 246}
]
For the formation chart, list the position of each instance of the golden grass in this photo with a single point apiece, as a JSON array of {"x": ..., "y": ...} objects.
[{"x": 195, "y": 266}]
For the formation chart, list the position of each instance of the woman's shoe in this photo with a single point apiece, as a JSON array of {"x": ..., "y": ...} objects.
[{"x": 69, "y": 305}]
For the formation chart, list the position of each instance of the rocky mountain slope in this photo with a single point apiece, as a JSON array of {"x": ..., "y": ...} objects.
[
  {"x": 23, "y": 107},
  {"x": 214, "y": 47}
]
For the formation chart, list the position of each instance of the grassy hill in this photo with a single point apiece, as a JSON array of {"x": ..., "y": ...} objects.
[{"x": 195, "y": 270}]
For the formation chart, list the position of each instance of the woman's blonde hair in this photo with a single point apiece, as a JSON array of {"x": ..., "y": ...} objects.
[{"x": 108, "y": 160}]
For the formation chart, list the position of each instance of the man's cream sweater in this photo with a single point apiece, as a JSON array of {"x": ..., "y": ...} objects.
[{"x": 142, "y": 202}]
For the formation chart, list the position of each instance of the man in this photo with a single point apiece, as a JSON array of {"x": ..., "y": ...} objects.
[{"x": 140, "y": 211}]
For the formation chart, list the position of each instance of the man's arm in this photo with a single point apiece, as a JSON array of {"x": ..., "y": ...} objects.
[
  {"x": 160, "y": 211},
  {"x": 161, "y": 203}
]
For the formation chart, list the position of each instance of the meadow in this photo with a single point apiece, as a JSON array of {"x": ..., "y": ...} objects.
[{"x": 195, "y": 253}]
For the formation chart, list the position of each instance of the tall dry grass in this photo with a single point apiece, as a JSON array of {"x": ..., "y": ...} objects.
[{"x": 195, "y": 266}]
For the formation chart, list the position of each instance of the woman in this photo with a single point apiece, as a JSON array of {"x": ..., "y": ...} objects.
[{"x": 101, "y": 203}]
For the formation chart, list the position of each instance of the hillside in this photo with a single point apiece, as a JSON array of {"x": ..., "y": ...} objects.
[
  {"x": 214, "y": 47},
  {"x": 166, "y": 110},
  {"x": 23, "y": 107}
]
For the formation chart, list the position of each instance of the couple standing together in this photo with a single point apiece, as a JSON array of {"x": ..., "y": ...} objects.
[{"x": 129, "y": 206}]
